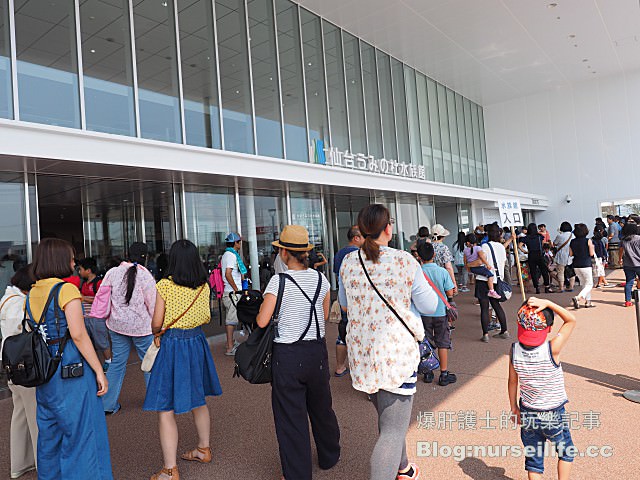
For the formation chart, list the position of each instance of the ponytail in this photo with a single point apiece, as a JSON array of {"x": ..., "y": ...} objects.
[
  {"x": 372, "y": 220},
  {"x": 131, "y": 282}
]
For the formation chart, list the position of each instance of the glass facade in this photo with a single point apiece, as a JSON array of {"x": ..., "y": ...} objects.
[{"x": 262, "y": 77}]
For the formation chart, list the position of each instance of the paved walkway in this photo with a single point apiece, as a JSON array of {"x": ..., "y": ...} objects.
[{"x": 601, "y": 361}]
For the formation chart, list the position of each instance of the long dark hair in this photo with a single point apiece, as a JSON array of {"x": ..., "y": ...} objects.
[
  {"x": 459, "y": 243},
  {"x": 532, "y": 230},
  {"x": 138, "y": 256},
  {"x": 185, "y": 266},
  {"x": 372, "y": 220}
]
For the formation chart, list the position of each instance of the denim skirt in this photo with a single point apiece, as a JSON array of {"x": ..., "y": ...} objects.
[{"x": 183, "y": 373}]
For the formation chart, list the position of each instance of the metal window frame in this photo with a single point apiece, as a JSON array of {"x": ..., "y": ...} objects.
[
  {"x": 364, "y": 100},
  {"x": 375, "y": 60},
  {"x": 134, "y": 69},
  {"x": 80, "y": 66},
  {"x": 176, "y": 26},
  {"x": 304, "y": 82},
  {"x": 455, "y": 106},
  {"x": 288, "y": 198},
  {"x": 236, "y": 194},
  {"x": 13, "y": 54},
  {"x": 253, "y": 104},
  {"x": 275, "y": 27},
  {"x": 406, "y": 104},
  {"x": 393, "y": 104},
  {"x": 25, "y": 186},
  {"x": 217, "y": 61},
  {"x": 324, "y": 69}
]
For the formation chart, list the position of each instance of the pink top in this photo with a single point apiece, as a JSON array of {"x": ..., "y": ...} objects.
[{"x": 133, "y": 319}]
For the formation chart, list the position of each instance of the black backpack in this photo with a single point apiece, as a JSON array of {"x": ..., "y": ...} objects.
[{"x": 25, "y": 357}]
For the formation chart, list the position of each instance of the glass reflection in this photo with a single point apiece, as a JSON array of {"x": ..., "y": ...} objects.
[
  {"x": 13, "y": 234},
  {"x": 265, "y": 77},
  {"x": 471, "y": 153},
  {"x": 400, "y": 108},
  {"x": 434, "y": 123},
  {"x": 6, "y": 103},
  {"x": 386, "y": 106},
  {"x": 453, "y": 134},
  {"x": 306, "y": 210},
  {"x": 412, "y": 115},
  {"x": 444, "y": 134},
  {"x": 199, "y": 77},
  {"x": 335, "y": 86},
  {"x": 295, "y": 129},
  {"x": 106, "y": 64},
  {"x": 157, "y": 69},
  {"x": 355, "y": 99},
  {"x": 372, "y": 104},
  {"x": 314, "y": 77},
  {"x": 235, "y": 87},
  {"x": 425, "y": 132},
  {"x": 47, "y": 64}
]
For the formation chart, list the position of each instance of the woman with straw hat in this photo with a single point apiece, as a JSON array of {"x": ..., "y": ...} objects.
[{"x": 300, "y": 363}]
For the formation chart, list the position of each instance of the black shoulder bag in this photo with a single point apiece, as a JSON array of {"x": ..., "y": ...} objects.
[
  {"x": 428, "y": 359},
  {"x": 25, "y": 357},
  {"x": 253, "y": 357}
]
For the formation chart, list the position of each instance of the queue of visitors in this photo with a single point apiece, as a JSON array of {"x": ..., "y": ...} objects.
[{"x": 382, "y": 293}]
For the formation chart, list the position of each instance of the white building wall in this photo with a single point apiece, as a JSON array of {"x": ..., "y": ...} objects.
[{"x": 582, "y": 141}]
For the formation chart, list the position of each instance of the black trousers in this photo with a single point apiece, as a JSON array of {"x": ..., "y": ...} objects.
[
  {"x": 300, "y": 393},
  {"x": 537, "y": 267}
]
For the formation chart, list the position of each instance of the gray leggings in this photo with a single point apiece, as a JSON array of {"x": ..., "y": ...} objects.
[{"x": 390, "y": 453}]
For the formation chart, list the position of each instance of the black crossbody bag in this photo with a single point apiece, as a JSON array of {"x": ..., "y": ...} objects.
[{"x": 25, "y": 357}]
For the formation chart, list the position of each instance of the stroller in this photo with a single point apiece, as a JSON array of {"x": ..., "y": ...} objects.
[{"x": 248, "y": 304}]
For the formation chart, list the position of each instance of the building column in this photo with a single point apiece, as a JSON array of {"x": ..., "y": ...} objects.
[{"x": 252, "y": 238}]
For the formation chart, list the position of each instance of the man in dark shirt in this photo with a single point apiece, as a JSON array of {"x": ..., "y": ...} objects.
[{"x": 355, "y": 242}]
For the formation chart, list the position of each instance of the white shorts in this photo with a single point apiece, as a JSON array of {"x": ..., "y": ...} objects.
[{"x": 232, "y": 313}]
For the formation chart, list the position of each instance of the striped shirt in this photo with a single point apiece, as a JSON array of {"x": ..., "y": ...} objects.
[
  {"x": 541, "y": 378},
  {"x": 295, "y": 308}
]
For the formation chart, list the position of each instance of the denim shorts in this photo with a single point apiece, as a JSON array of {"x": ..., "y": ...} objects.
[
  {"x": 537, "y": 428},
  {"x": 98, "y": 333},
  {"x": 481, "y": 270}
]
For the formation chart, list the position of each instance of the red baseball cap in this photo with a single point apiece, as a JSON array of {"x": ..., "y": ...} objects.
[{"x": 533, "y": 327}]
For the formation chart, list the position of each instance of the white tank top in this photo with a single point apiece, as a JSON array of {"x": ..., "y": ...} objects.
[{"x": 541, "y": 378}]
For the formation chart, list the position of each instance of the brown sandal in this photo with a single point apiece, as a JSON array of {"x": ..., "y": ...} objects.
[
  {"x": 170, "y": 472},
  {"x": 206, "y": 452}
]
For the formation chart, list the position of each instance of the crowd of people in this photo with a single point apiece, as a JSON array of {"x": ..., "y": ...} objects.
[{"x": 383, "y": 293}]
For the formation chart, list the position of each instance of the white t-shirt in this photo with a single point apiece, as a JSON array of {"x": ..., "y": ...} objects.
[
  {"x": 295, "y": 308},
  {"x": 501, "y": 258},
  {"x": 229, "y": 260}
]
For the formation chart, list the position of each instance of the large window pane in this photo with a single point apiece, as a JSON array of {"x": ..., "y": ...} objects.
[
  {"x": 335, "y": 86},
  {"x": 263, "y": 215},
  {"x": 354, "y": 93},
  {"x": 412, "y": 115},
  {"x": 106, "y": 63},
  {"x": 372, "y": 103},
  {"x": 157, "y": 70},
  {"x": 386, "y": 106},
  {"x": 475, "y": 122},
  {"x": 314, "y": 76},
  {"x": 471, "y": 152},
  {"x": 47, "y": 62},
  {"x": 13, "y": 236},
  {"x": 199, "y": 78},
  {"x": 409, "y": 221},
  {"x": 444, "y": 134},
  {"x": 434, "y": 123},
  {"x": 402, "y": 128},
  {"x": 264, "y": 68},
  {"x": 425, "y": 132},
  {"x": 306, "y": 210},
  {"x": 295, "y": 124},
  {"x": 453, "y": 134},
  {"x": 6, "y": 102},
  {"x": 483, "y": 150},
  {"x": 462, "y": 139},
  {"x": 235, "y": 86}
]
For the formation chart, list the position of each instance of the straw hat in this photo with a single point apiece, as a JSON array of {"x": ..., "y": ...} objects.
[{"x": 294, "y": 238}]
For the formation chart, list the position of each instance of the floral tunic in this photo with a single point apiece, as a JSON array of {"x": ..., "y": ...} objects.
[{"x": 383, "y": 355}]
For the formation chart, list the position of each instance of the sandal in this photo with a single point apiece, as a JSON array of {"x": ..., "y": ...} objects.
[
  {"x": 190, "y": 455},
  {"x": 172, "y": 473},
  {"x": 589, "y": 305}
]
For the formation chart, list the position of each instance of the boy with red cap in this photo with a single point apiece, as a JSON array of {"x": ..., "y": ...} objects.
[{"x": 535, "y": 365}]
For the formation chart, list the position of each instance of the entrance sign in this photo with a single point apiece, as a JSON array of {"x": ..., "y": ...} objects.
[
  {"x": 367, "y": 163},
  {"x": 510, "y": 213}
]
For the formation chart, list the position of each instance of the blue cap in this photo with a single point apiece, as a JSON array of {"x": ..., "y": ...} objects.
[{"x": 232, "y": 237}]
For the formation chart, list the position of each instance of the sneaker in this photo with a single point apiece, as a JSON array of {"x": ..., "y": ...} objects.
[
  {"x": 628, "y": 304},
  {"x": 485, "y": 338},
  {"x": 464, "y": 289},
  {"x": 576, "y": 303},
  {"x": 412, "y": 474},
  {"x": 504, "y": 335},
  {"x": 493, "y": 294},
  {"x": 428, "y": 377},
  {"x": 232, "y": 352},
  {"x": 494, "y": 326},
  {"x": 447, "y": 378},
  {"x": 493, "y": 315}
]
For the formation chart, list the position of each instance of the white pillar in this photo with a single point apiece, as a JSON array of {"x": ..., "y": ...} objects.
[{"x": 252, "y": 238}]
